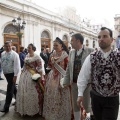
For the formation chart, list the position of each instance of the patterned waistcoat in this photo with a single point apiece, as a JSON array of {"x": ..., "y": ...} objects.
[
  {"x": 105, "y": 74},
  {"x": 77, "y": 66}
]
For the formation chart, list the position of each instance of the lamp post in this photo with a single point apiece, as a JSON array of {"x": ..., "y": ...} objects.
[
  {"x": 20, "y": 25},
  {"x": 71, "y": 33}
]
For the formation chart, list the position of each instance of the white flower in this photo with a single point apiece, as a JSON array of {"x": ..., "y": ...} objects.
[
  {"x": 61, "y": 82},
  {"x": 36, "y": 76},
  {"x": 106, "y": 76},
  {"x": 103, "y": 81}
]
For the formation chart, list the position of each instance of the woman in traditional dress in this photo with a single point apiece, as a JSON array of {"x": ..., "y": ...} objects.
[
  {"x": 57, "y": 104},
  {"x": 29, "y": 96}
]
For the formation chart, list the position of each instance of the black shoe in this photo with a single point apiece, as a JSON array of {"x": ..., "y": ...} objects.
[
  {"x": 13, "y": 103},
  {"x": 4, "y": 110},
  {"x": 92, "y": 117},
  {"x": 1, "y": 79}
]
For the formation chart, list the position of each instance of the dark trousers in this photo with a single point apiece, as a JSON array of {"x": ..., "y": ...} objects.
[
  {"x": 104, "y": 108},
  {"x": 11, "y": 89},
  {"x": 46, "y": 70}
]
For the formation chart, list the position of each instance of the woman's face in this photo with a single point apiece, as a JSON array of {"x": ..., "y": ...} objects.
[
  {"x": 29, "y": 49},
  {"x": 57, "y": 46}
]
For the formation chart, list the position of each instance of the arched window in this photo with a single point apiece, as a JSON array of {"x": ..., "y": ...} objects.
[
  {"x": 10, "y": 29},
  {"x": 45, "y": 34},
  {"x": 65, "y": 40},
  {"x": 10, "y": 35},
  {"x": 45, "y": 40},
  {"x": 87, "y": 43}
]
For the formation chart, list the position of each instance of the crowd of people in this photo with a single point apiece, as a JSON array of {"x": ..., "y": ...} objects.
[{"x": 70, "y": 82}]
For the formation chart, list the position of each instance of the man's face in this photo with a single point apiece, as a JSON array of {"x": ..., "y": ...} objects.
[
  {"x": 44, "y": 51},
  {"x": 8, "y": 47},
  {"x": 104, "y": 39},
  {"x": 73, "y": 42}
]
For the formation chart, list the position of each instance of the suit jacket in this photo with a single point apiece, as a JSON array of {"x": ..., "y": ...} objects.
[
  {"x": 69, "y": 71},
  {"x": 68, "y": 80},
  {"x": 22, "y": 57},
  {"x": 44, "y": 57}
]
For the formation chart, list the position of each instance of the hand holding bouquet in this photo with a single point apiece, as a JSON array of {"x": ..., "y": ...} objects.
[{"x": 36, "y": 77}]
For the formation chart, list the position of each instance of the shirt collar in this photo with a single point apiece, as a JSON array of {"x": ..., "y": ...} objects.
[
  {"x": 105, "y": 54},
  {"x": 79, "y": 51}
]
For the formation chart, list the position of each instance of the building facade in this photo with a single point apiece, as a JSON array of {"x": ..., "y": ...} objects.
[
  {"x": 42, "y": 26},
  {"x": 117, "y": 30}
]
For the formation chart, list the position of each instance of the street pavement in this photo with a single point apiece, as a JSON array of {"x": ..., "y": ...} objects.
[{"x": 12, "y": 115}]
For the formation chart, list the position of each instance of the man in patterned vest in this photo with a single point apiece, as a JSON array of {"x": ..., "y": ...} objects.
[
  {"x": 11, "y": 66},
  {"x": 75, "y": 61},
  {"x": 103, "y": 67}
]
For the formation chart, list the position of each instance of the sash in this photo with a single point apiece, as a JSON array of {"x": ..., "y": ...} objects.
[
  {"x": 58, "y": 67},
  {"x": 32, "y": 71}
]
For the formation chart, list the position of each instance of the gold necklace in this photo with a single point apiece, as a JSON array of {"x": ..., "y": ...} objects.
[{"x": 58, "y": 53}]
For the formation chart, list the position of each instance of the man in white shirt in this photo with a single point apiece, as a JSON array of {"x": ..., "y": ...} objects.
[
  {"x": 76, "y": 58},
  {"x": 103, "y": 67},
  {"x": 14, "y": 48},
  {"x": 11, "y": 66}
]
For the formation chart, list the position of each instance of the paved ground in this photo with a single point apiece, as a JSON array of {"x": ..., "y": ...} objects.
[{"x": 12, "y": 115}]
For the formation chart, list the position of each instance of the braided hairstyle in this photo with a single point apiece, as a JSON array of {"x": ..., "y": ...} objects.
[{"x": 62, "y": 43}]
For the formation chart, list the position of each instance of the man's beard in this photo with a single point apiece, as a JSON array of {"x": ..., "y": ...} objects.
[{"x": 103, "y": 45}]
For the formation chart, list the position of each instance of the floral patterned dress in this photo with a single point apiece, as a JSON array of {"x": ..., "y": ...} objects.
[
  {"x": 29, "y": 99},
  {"x": 57, "y": 104}
]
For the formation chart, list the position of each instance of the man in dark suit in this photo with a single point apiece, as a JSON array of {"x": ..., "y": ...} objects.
[
  {"x": 48, "y": 52},
  {"x": 22, "y": 56},
  {"x": 45, "y": 58}
]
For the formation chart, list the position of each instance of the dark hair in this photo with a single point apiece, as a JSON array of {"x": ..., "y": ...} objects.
[
  {"x": 7, "y": 42},
  {"x": 110, "y": 31},
  {"x": 26, "y": 52},
  {"x": 78, "y": 36},
  {"x": 69, "y": 48},
  {"x": 62, "y": 43},
  {"x": 33, "y": 47},
  {"x": 22, "y": 49},
  {"x": 42, "y": 48}
]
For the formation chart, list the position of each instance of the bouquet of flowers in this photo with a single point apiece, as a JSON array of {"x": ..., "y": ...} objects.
[
  {"x": 36, "y": 77},
  {"x": 61, "y": 82}
]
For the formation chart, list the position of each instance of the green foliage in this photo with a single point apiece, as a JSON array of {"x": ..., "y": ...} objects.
[{"x": 19, "y": 34}]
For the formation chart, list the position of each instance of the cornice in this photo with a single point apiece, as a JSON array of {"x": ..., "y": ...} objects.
[{"x": 52, "y": 18}]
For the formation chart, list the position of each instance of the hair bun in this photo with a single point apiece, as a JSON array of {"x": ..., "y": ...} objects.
[{"x": 33, "y": 47}]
